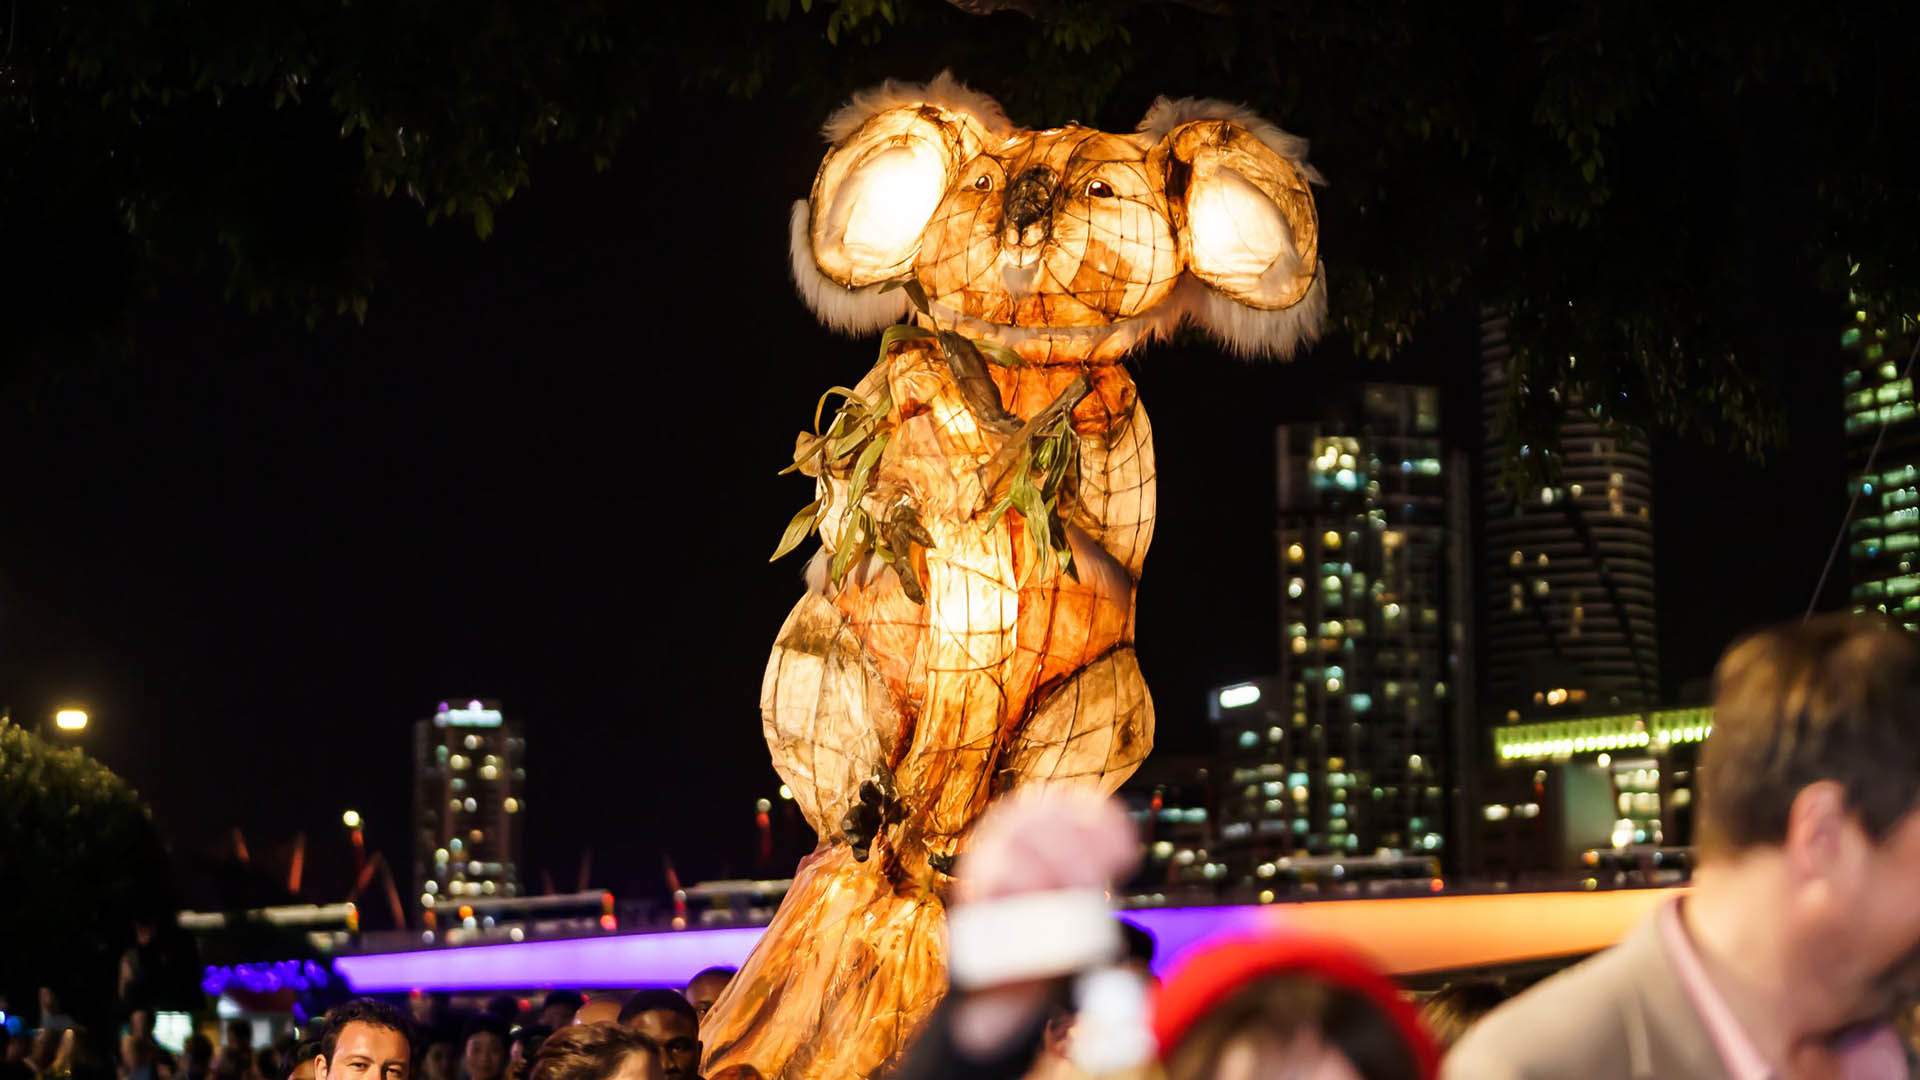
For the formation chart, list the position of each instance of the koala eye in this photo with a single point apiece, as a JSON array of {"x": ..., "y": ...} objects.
[
  {"x": 983, "y": 182},
  {"x": 1100, "y": 189}
]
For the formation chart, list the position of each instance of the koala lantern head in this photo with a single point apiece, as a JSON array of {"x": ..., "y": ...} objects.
[{"x": 1068, "y": 245}]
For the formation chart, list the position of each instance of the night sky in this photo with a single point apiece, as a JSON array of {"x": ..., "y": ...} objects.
[{"x": 544, "y": 472}]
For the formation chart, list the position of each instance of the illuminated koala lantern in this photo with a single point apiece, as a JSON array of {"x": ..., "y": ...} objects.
[{"x": 985, "y": 498}]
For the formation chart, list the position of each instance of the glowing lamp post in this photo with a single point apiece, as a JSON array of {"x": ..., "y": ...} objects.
[
  {"x": 70, "y": 721},
  {"x": 357, "y": 831}
]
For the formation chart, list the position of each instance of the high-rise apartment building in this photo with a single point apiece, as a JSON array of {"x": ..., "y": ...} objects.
[
  {"x": 1884, "y": 535},
  {"x": 1349, "y": 749},
  {"x": 468, "y": 778},
  {"x": 1567, "y": 569}
]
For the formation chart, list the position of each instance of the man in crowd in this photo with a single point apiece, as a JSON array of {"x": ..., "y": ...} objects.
[
  {"x": 704, "y": 989},
  {"x": 483, "y": 1052},
  {"x": 557, "y": 1010},
  {"x": 364, "y": 1040},
  {"x": 670, "y": 1022},
  {"x": 1801, "y": 932}
]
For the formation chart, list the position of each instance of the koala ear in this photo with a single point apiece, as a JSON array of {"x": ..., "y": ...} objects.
[
  {"x": 1238, "y": 188},
  {"x": 895, "y": 151}
]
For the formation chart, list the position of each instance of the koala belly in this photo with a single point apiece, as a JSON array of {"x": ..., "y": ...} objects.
[{"x": 936, "y": 695}]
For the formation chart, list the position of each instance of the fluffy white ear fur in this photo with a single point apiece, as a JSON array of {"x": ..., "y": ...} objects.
[
  {"x": 1169, "y": 113},
  {"x": 945, "y": 91},
  {"x": 849, "y": 311},
  {"x": 1248, "y": 332}
]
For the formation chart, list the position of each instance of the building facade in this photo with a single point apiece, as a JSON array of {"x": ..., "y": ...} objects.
[
  {"x": 1567, "y": 570},
  {"x": 1565, "y": 792},
  {"x": 1883, "y": 467},
  {"x": 1348, "y": 750},
  {"x": 469, "y": 774}
]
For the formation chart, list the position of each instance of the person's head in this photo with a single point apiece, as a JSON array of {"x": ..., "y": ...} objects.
[
  {"x": 504, "y": 1008},
  {"x": 441, "y": 1061},
  {"x": 704, "y": 988},
  {"x": 597, "y": 1052},
  {"x": 140, "y": 1024},
  {"x": 266, "y": 1062},
  {"x": 483, "y": 1049},
  {"x": 365, "y": 1040},
  {"x": 49, "y": 1001},
  {"x": 604, "y": 1009},
  {"x": 1808, "y": 791},
  {"x": 1458, "y": 1006},
  {"x": 666, "y": 1018},
  {"x": 1287, "y": 1005},
  {"x": 239, "y": 1034},
  {"x": 557, "y": 1010},
  {"x": 198, "y": 1052}
]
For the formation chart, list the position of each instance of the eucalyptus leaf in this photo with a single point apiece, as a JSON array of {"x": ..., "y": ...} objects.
[
  {"x": 863, "y": 469},
  {"x": 855, "y": 541},
  {"x": 820, "y": 407},
  {"x": 899, "y": 332},
  {"x": 999, "y": 354},
  {"x": 798, "y": 529},
  {"x": 916, "y": 294}
]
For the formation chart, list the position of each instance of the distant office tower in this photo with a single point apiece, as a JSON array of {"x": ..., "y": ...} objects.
[
  {"x": 1348, "y": 750},
  {"x": 1884, "y": 536},
  {"x": 1568, "y": 569},
  {"x": 468, "y": 779}
]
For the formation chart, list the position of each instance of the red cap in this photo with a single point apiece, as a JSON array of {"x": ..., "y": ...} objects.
[{"x": 1214, "y": 974}]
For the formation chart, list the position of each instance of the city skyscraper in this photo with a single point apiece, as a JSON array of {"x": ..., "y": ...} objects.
[
  {"x": 1349, "y": 750},
  {"x": 1884, "y": 535},
  {"x": 468, "y": 778},
  {"x": 1567, "y": 570}
]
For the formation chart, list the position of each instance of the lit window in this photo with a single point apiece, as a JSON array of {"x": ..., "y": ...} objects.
[
  {"x": 1331, "y": 539},
  {"x": 1295, "y": 553},
  {"x": 1295, "y": 587}
]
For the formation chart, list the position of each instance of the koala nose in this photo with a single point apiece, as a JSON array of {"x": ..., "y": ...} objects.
[{"x": 1029, "y": 200}]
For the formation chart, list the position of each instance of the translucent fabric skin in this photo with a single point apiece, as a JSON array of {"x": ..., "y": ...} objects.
[{"x": 987, "y": 644}]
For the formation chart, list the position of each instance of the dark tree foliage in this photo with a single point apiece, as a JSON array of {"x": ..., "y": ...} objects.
[
  {"x": 81, "y": 864},
  {"x": 1670, "y": 201},
  {"x": 255, "y": 145}
]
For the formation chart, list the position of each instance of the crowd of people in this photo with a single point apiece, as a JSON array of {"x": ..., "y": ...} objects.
[{"x": 1795, "y": 953}]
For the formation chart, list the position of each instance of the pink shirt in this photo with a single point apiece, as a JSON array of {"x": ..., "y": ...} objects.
[{"x": 1875, "y": 1054}]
